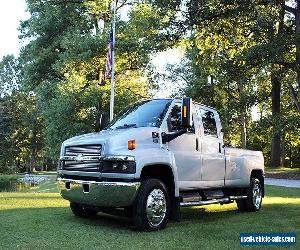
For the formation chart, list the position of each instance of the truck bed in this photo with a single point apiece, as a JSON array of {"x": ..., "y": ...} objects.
[
  {"x": 239, "y": 165},
  {"x": 239, "y": 152}
]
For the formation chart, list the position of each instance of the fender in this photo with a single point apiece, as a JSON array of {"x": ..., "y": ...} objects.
[{"x": 159, "y": 156}]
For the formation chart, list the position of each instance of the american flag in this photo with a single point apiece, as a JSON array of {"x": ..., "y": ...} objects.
[{"x": 109, "y": 59}]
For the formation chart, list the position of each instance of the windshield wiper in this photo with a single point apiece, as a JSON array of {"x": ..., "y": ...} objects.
[{"x": 126, "y": 126}]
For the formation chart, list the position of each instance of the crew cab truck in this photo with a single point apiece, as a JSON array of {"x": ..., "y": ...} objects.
[{"x": 157, "y": 156}]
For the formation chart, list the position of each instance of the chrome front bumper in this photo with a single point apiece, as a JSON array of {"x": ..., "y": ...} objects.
[{"x": 102, "y": 194}]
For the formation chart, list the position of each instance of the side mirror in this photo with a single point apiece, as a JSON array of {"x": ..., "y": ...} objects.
[
  {"x": 186, "y": 112},
  {"x": 102, "y": 121}
]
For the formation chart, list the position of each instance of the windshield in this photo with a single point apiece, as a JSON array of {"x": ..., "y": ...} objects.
[{"x": 148, "y": 113}]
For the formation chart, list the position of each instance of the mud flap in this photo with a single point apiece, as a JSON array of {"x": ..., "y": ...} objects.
[{"x": 175, "y": 209}]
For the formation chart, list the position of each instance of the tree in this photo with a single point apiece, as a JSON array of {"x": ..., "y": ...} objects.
[
  {"x": 63, "y": 64},
  {"x": 9, "y": 75},
  {"x": 245, "y": 44}
]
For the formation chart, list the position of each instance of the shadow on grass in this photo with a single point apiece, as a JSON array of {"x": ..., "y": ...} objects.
[
  {"x": 58, "y": 216},
  {"x": 201, "y": 214},
  {"x": 55, "y": 217}
]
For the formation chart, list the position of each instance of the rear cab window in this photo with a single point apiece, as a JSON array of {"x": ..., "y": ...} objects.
[{"x": 209, "y": 123}]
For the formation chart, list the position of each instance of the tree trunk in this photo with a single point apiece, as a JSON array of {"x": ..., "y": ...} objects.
[
  {"x": 95, "y": 23},
  {"x": 276, "y": 133},
  {"x": 296, "y": 98},
  {"x": 98, "y": 115},
  {"x": 242, "y": 115},
  {"x": 282, "y": 153},
  {"x": 243, "y": 131},
  {"x": 276, "y": 90}
]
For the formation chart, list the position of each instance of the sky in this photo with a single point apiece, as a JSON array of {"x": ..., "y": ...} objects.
[{"x": 13, "y": 11}]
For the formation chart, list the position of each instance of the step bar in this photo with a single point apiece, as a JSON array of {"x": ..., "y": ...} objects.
[{"x": 213, "y": 201}]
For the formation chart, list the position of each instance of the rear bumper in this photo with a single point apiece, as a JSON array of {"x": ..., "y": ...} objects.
[{"x": 101, "y": 194}]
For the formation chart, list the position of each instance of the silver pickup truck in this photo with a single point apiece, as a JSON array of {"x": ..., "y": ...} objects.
[{"x": 157, "y": 156}]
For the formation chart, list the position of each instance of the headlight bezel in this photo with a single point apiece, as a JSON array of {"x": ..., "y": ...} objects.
[{"x": 121, "y": 167}]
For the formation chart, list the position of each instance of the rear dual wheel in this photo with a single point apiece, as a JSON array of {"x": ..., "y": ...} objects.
[{"x": 254, "y": 197}]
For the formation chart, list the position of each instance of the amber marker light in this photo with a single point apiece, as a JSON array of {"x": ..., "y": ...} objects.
[
  {"x": 131, "y": 144},
  {"x": 184, "y": 111}
]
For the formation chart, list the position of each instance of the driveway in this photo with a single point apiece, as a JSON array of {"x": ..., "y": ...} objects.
[{"x": 282, "y": 182}]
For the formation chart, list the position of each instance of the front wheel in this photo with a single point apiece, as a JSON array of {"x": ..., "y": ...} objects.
[
  {"x": 152, "y": 206},
  {"x": 254, "y": 197}
]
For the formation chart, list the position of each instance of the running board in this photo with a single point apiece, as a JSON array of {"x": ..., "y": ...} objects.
[{"x": 213, "y": 201}]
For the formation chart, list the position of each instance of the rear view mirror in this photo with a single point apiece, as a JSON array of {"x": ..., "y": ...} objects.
[
  {"x": 186, "y": 112},
  {"x": 102, "y": 121}
]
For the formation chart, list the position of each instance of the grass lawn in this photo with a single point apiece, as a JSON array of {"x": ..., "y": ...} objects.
[
  {"x": 43, "y": 221},
  {"x": 44, "y": 187}
]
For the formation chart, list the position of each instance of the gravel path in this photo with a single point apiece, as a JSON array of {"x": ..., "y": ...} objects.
[{"x": 283, "y": 182}]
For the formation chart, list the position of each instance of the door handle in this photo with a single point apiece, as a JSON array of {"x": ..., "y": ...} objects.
[
  {"x": 219, "y": 147},
  {"x": 197, "y": 144}
]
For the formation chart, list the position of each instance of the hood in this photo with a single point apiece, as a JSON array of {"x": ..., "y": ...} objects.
[
  {"x": 92, "y": 138},
  {"x": 115, "y": 141}
]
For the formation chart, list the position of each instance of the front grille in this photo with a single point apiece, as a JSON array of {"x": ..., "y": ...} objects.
[
  {"x": 88, "y": 166},
  {"x": 84, "y": 150}
]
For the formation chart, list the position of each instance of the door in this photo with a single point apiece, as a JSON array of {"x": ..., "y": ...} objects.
[
  {"x": 212, "y": 153},
  {"x": 186, "y": 151}
]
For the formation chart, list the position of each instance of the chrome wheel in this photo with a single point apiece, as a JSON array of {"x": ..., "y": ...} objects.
[
  {"x": 156, "y": 207},
  {"x": 257, "y": 195}
]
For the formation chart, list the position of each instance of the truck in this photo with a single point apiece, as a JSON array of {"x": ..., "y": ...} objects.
[{"x": 155, "y": 157}]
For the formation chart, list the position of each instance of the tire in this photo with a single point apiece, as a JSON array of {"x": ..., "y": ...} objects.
[
  {"x": 152, "y": 206},
  {"x": 254, "y": 197},
  {"x": 81, "y": 211}
]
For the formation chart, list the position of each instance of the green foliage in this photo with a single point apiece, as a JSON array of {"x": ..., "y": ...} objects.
[
  {"x": 60, "y": 73},
  {"x": 56, "y": 88},
  {"x": 6, "y": 180},
  {"x": 21, "y": 128},
  {"x": 5, "y": 130},
  {"x": 72, "y": 90},
  {"x": 238, "y": 45},
  {"x": 25, "y": 130},
  {"x": 9, "y": 75},
  {"x": 8, "y": 177}
]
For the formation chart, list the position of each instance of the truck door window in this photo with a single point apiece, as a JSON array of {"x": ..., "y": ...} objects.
[
  {"x": 175, "y": 120},
  {"x": 209, "y": 123}
]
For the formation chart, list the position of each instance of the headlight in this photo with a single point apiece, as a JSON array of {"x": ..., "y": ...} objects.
[{"x": 128, "y": 167}]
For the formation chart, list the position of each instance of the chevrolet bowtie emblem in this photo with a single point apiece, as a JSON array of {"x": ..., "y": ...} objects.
[{"x": 79, "y": 158}]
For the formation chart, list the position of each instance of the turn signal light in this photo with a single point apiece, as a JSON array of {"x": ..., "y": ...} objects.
[
  {"x": 184, "y": 111},
  {"x": 131, "y": 144}
]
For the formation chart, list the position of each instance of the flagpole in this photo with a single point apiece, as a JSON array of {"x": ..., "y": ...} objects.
[{"x": 112, "y": 87}]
